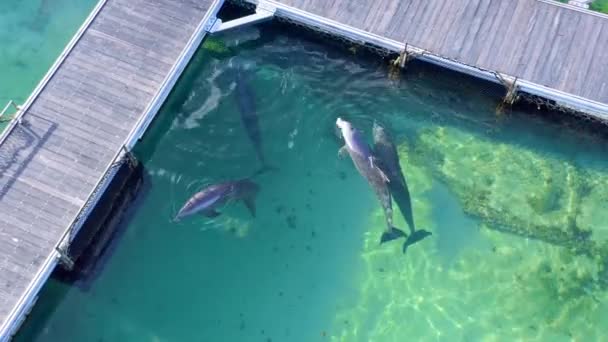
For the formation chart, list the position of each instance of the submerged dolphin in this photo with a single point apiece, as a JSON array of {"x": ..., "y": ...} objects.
[
  {"x": 387, "y": 158},
  {"x": 249, "y": 116},
  {"x": 362, "y": 157},
  {"x": 207, "y": 201}
]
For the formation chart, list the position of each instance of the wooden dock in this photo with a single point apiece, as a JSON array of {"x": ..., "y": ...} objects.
[
  {"x": 93, "y": 105},
  {"x": 552, "y": 50}
]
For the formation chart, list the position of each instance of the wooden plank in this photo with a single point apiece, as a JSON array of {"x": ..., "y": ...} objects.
[
  {"x": 451, "y": 29},
  {"x": 82, "y": 120},
  {"x": 398, "y": 20},
  {"x": 576, "y": 53},
  {"x": 415, "y": 21},
  {"x": 540, "y": 34},
  {"x": 523, "y": 21},
  {"x": 597, "y": 73},
  {"x": 586, "y": 59},
  {"x": 506, "y": 40},
  {"x": 552, "y": 70},
  {"x": 487, "y": 53},
  {"x": 484, "y": 35},
  {"x": 548, "y": 45},
  {"x": 421, "y": 24},
  {"x": 386, "y": 16},
  {"x": 459, "y": 31},
  {"x": 402, "y": 34},
  {"x": 438, "y": 26}
]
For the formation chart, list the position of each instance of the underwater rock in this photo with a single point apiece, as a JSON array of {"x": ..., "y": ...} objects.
[{"x": 511, "y": 188}]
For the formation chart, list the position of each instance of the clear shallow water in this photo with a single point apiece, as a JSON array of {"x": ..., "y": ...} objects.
[
  {"x": 32, "y": 34},
  {"x": 508, "y": 198}
]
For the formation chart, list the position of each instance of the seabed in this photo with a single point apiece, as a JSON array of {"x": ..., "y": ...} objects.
[{"x": 537, "y": 269}]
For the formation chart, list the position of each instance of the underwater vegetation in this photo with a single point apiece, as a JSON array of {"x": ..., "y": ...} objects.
[
  {"x": 216, "y": 47},
  {"x": 599, "y": 5},
  {"x": 535, "y": 269}
]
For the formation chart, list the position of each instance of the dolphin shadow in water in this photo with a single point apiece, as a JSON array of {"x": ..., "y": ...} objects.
[
  {"x": 246, "y": 101},
  {"x": 385, "y": 154}
]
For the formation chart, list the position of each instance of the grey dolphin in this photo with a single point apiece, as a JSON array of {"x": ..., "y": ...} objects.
[
  {"x": 208, "y": 200},
  {"x": 387, "y": 158},
  {"x": 362, "y": 157},
  {"x": 247, "y": 107}
]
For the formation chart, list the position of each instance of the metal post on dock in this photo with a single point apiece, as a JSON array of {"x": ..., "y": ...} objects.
[
  {"x": 5, "y": 109},
  {"x": 131, "y": 160},
  {"x": 64, "y": 258}
]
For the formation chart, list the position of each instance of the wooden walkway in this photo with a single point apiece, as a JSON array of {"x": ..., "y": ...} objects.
[
  {"x": 116, "y": 74},
  {"x": 540, "y": 42}
]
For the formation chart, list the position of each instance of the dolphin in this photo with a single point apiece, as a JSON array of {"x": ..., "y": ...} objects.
[
  {"x": 362, "y": 157},
  {"x": 208, "y": 200},
  {"x": 247, "y": 107},
  {"x": 386, "y": 156}
]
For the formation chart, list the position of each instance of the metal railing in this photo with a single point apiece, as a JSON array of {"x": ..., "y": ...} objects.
[{"x": 10, "y": 104}]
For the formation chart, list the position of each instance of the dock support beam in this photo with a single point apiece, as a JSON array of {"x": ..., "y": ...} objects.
[
  {"x": 511, "y": 95},
  {"x": 263, "y": 12},
  {"x": 405, "y": 57}
]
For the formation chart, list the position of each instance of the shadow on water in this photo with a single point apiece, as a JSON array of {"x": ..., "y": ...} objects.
[
  {"x": 51, "y": 295},
  {"x": 87, "y": 270},
  {"x": 96, "y": 253},
  {"x": 456, "y": 231}
]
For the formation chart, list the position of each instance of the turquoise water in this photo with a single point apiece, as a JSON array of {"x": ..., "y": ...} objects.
[
  {"x": 32, "y": 34},
  {"x": 510, "y": 198}
]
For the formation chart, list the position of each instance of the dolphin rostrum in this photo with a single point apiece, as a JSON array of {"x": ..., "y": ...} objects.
[
  {"x": 209, "y": 200},
  {"x": 386, "y": 156},
  {"x": 362, "y": 157}
]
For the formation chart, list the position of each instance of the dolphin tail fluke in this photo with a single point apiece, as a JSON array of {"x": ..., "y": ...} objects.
[
  {"x": 393, "y": 234},
  {"x": 250, "y": 204},
  {"x": 415, "y": 237}
]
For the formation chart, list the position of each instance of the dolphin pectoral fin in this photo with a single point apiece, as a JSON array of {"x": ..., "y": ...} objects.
[
  {"x": 250, "y": 204},
  {"x": 382, "y": 174},
  {"x": 393, "y": 234},
  {"x": 374, "y": 165},
  {"x": 211, "y": 213},
  {"x": 342, "y": 152}
]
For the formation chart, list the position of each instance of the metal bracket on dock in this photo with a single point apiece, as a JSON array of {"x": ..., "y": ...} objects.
[
  {"x": 406, "y": 56},
  {"x": 65, "y": 259},
  {"x": 263, "y": 12},
  {"x": 131, "y": 160},
  {"x": 511, "y": 84},
  {"x": 10, "y": 104},
  {"x": 511, "y": 95}
]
